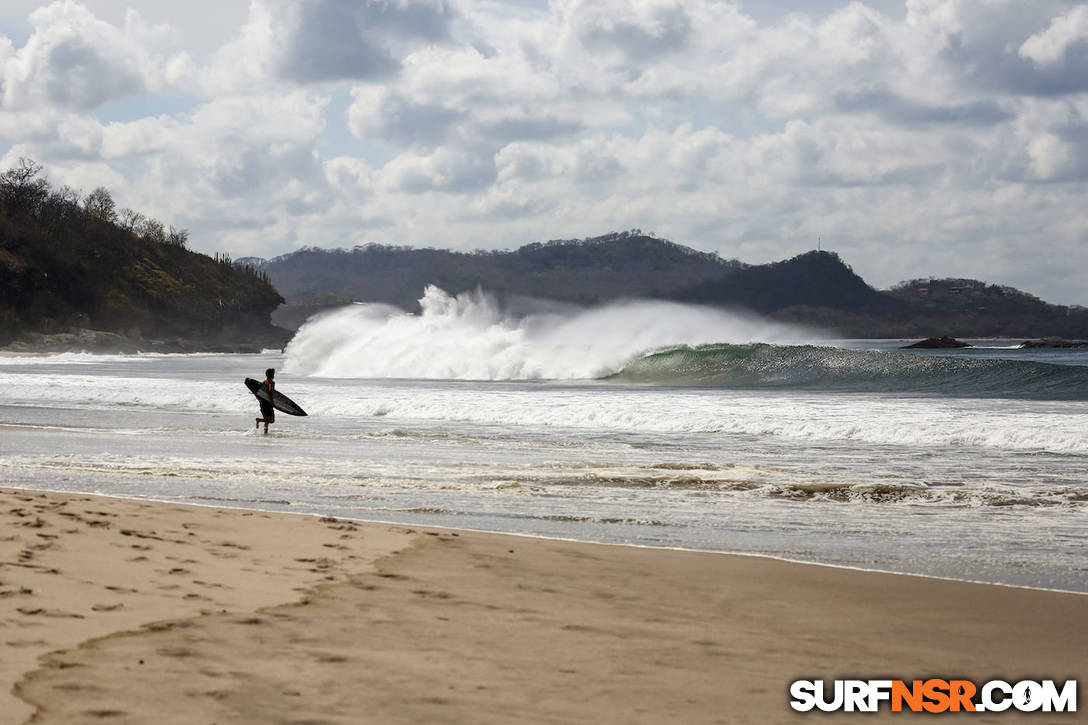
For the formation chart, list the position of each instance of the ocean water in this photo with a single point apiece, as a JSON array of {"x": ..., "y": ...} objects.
[{"x": 642, "y": 423}]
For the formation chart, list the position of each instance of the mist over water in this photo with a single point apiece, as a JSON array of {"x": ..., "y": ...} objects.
[{"x": 472, "y": 337}]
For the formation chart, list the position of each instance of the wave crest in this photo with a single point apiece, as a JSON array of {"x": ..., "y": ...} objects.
[
  {"x": 829, "y": 368},
  {"x": 470, "y": 336}
]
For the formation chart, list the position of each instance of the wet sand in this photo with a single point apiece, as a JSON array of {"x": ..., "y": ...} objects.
[{"x": 126, "y": 611}]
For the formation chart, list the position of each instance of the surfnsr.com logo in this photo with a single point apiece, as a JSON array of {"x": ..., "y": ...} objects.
[{"x": 933, "y": 695}]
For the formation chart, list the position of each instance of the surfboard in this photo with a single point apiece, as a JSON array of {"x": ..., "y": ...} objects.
[{"x": 282, "y": 403}]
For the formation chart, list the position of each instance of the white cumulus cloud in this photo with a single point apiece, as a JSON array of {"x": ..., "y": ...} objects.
[
  {"x": 950, "y": 137},
  {"x": 74, "y": 60},
  {"x": 1064, "y": 35}
]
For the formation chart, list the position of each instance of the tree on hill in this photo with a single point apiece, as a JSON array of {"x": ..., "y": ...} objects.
[
  {"x": 99, "y": 204},
  {"x": 22, "y": 189}
]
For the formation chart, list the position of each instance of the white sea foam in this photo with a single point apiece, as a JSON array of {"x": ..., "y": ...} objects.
[
  {"x": 471, "y": 337},
  {"x": 118, "y": 391},
  {"x": 1054, "y": 427},
  {"x": 936, "y": 485},
  {"x": 68, "y": 358},
  {"x": 1034, "y": 426}
]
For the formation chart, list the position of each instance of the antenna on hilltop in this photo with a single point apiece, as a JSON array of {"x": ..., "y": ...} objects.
[{"x": 818, "y": 244}]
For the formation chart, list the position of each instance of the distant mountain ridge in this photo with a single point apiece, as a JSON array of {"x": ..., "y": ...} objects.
[
  {"x": 815, "y": 288},
  {"x": 583, "y": 271},
  {"x": 76, "y": 273}
]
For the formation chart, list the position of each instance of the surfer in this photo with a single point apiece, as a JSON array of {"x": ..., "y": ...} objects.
[{"x": 268, "y": 413}]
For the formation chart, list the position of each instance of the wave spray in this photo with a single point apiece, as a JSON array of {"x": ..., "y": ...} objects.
[{"x": 470, "y": 336}]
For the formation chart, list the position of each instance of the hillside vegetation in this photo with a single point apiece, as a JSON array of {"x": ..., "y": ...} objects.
[
  {"x": 986, "y": 309},
  {"x": 814, "y": 288},
  {"x": 69, "y": 263},
  {"x": 616, "y": 265}
]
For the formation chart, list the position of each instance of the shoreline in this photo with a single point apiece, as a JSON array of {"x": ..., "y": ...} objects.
[
  {"x": 103, "y": 342},
  {"x": 138, "y": 608},
  {"x": 542, "y": 537}
]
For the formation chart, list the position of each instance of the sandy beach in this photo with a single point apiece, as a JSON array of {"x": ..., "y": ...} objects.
[{"x": 128, "y": 611}]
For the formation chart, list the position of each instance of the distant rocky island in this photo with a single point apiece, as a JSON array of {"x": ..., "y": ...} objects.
[
  {"x": 936, "y": 343},
  {"x": 78, "y": 274},
  {"x": 816, "y": 289}
]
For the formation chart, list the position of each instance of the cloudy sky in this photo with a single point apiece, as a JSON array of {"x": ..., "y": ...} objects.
[{"x": 918, "y": 138}]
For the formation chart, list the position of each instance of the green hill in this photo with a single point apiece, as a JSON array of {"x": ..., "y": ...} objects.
[
  {"x": 584, "y": 271},
  {"x": 815, "y": 288},
  {"x": 985, "y": 309},
  {"x": 71, "y": 264},
  {"x": 813, "y": 279},
  {"x": 589, "y": 271}
]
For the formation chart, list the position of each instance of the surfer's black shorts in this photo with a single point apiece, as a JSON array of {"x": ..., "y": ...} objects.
[{"x": 267, "y": 411}]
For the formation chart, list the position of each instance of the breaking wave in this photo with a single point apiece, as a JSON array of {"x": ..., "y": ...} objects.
[
  {"x": 828, "y": 368},
  {"x": 471, "y": 337}
]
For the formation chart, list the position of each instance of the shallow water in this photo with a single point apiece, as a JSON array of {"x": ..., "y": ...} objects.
[{"x": 979, "y": 488}]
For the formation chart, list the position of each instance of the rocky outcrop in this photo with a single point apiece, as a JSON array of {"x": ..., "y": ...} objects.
[
  {"x": 1053, "y": 342},
  {"x": 935, "y": 343}
]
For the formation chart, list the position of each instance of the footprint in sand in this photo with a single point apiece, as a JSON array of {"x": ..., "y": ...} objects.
[
  {"x": 211, "y": 585},
  {"x": 106, "y": 607},
  {"x": 332, "y": 659},
  {"x": 25, "y": 643},
  {"x": 38, "y": 611},
  {"x": 20, "y": 592}
]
